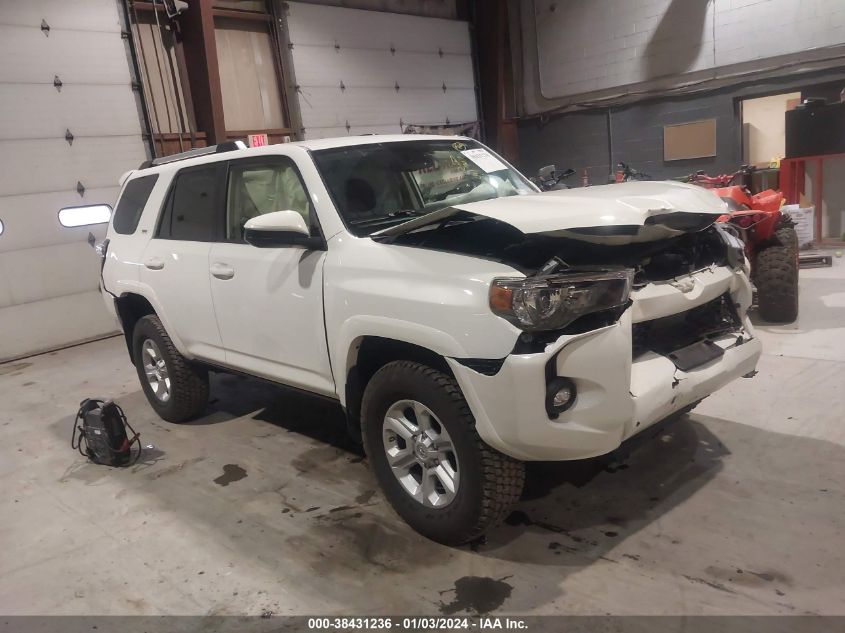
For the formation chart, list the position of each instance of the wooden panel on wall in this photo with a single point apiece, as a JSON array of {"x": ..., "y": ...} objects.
[
  {"x": 696, "y": 139},
  {"x": 249, "y": 82}
]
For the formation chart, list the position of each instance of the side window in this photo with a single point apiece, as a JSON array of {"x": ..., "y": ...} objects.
[
  {"x": 191, "y": 211},
  {"x": 131, "y": 203},
  {"x": 259, "y": 187}
]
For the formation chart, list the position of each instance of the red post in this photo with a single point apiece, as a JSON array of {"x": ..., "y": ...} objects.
[
  {"x": 818, "y": 187},
  {"x": 787, "y": 181}
]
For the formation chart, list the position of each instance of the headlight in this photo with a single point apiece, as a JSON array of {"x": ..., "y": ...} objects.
[{"x": 554, "y": 301}]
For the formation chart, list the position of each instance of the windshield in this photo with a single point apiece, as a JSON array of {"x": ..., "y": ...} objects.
[{"x": 379, "y": 185}]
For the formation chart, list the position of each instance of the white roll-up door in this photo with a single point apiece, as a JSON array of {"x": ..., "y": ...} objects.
[
  {"x": 69, "y": 126},
  {"x": 360, "y": 72}
]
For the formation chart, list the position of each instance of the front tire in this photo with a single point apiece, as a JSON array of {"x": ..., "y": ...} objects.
[
  {"x": 432, "y": 466},
  {"x": 776, "y": 278},
  {"x": 177, "y": 390}
]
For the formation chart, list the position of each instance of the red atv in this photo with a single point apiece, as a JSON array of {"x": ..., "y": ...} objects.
[{"x": 771, "y": 243}]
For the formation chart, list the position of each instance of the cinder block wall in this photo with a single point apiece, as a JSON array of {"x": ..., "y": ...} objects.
[
  {"x": 580, "y": 140},
  {"x": 591, "y": 49},
  {"x": 584, "y": 46}
]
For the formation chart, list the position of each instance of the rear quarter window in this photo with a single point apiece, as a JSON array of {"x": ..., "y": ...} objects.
[{"x": 131, "y": 203}]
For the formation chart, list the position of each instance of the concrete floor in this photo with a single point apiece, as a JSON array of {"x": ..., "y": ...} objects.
[{"x": 263, "y": 506}]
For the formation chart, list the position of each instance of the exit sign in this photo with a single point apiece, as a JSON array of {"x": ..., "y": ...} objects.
[{"x": 257, "y": 140}]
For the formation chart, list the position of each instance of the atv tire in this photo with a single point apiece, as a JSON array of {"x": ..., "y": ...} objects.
[
  {"x": 787, "y": 236},
  {"x": 776, "y": 278}
]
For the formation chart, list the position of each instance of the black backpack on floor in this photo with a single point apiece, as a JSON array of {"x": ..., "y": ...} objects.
[{"x": 99, "y": 433}]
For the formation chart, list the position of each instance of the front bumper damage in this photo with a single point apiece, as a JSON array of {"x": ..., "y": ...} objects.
[{"x": 618, "y": 394}]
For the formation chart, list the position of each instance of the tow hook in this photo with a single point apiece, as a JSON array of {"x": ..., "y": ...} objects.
[{"x": 751, "y": 374}]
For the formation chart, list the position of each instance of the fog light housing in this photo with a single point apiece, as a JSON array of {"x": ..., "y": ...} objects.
[{"x": 560, "y": 396}]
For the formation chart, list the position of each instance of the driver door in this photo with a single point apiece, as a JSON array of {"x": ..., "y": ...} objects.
[{"x": 269, "y": 301}]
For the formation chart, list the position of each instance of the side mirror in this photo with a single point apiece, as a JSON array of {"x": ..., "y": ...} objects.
[{"x": 281, "y": 228}]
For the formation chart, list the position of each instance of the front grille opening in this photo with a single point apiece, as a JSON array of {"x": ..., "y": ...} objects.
[{"x": 667, "y": 334}]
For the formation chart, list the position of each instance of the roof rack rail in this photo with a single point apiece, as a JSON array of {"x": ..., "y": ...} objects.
[{"x": 229, "y": 146}]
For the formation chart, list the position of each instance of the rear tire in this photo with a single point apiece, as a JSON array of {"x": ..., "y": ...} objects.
[
  {"x": 776, "y": 278},
  {"x": 488, "y": 483},
  {"x": 177, "y": 390}
]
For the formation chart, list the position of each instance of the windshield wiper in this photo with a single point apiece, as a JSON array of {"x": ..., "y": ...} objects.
[
  {"x": 463, "y": 217},
  {"x": 403, "y": 213}
]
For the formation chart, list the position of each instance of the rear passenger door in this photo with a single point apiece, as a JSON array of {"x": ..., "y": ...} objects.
[
  {"x": 269, "y": 301},
  {"x": 175, "y": 263}
]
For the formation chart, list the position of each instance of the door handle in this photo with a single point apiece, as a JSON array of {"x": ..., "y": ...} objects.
[
  {"x": 222, "y": 271},
  {"x": 154, "y": 263}
]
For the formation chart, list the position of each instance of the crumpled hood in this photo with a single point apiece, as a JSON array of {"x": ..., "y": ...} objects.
[{"x": 619, "y": 213}]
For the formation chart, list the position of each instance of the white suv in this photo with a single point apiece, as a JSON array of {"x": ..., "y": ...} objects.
[{"x": 464, "y": 321}]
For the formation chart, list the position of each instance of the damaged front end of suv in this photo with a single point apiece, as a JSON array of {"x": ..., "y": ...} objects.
[{"x": 630, "y": 303}]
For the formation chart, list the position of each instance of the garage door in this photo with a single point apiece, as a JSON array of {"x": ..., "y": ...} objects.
[
  {"x": 360, "y": 72},
  {"x": 69, "y": 126}
]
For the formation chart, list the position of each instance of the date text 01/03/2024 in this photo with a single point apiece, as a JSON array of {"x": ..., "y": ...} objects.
[{"x": 416, "y": 623}]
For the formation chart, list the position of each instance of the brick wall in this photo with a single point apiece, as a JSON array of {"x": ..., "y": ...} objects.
[
  {"x": 747, "y": 30},
  {"x": 590, "y": 45}
]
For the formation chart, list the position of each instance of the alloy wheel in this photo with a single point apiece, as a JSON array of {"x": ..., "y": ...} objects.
[
  {"x": 156, "y": 370},
  {"x": 420, "y": 453}
]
